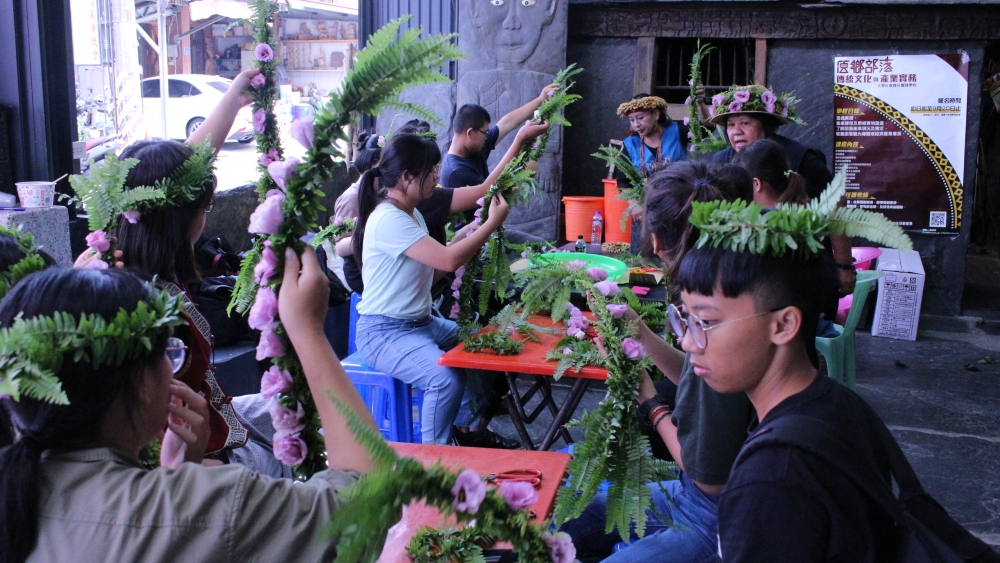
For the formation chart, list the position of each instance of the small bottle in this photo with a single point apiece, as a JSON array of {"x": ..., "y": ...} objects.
[
  {"x": 596, "y": 228},
  {"x": 581, "y": 245}
]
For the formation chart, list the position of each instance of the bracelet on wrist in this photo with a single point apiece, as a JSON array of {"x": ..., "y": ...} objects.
[
  {"x": 660, "y": 418},
  {"x": 845, "y": 267},
  {"x": 646, "y": 407}
]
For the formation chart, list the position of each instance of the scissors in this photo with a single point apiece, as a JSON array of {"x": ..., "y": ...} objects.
[{"x": 531, "y": 476}]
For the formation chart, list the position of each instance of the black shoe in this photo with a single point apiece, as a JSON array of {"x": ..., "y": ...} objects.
[{"x": 485, "y": 439}]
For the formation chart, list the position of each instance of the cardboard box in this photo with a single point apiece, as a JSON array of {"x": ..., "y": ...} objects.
[{"x": 900, "y": 292}]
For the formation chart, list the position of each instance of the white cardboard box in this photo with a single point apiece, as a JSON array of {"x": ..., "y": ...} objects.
[{"x": 900, "y": 291}]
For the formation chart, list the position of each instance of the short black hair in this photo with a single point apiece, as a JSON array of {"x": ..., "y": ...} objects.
[
  {"x": 414, "y": 127},
  {"x": 807, "y": 283},
  {"x": 469, "y": 116}
]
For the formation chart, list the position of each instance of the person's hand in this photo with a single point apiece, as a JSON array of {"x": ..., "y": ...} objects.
[
  {"x": 187, "y": 427},
  {"x": 498, "y": 211},
  {"x": 305, "y": 295},
  {"x": 848, "y": 279},
  {"x": 88, "y": 256},
  {"x": 531, "y": 130},
  {"x": 646, "y": 388},
  {"x": 241, "y": 85},
  {"x": 548, "y": 91},
  {"x": 699, "y": 90}
]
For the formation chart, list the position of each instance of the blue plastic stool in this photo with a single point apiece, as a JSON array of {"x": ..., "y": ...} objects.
[
  {"x": 352, "y": 324},
  {"x": 394, "y": 405}
]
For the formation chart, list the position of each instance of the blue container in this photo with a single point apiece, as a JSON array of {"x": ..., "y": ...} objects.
[
  {"x": 352, "y": 326},
  {"x": 394, "y": 405}
]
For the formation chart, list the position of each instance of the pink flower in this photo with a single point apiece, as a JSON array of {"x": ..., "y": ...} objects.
[
  {"x": 285, "y": 419},
  {"x": 575, "y": 265},
  {"x": 735, "y": 107},
  {"x": 597, "y": 274},
  {"x": 456, "y": 294},
  {"x": 460, "y": 272},
  {"x": 687, "y": 102},
  {"x": 270, "y": 156},
  {"x": 606, "y": 288},
  {"x": 259, "y": 120},
  {"x": 524, "y": 255},
  {"x": 266, "y": 219},
  {"x": 270, "y": 345},
  {"x": 98, "y": 240},
  {"x": 457, "y": 283},
  {"x": 281, "y": 171},
  {"x": 480, "y": 202},
  {"x": 265, "y": 267},
  {"x": 741, "y": 96},
  {"x": 561, "y": 547},
  {"x": 511, "y": 329},
  {"x": 769, "y": 107},
  {"x": 289, "y": 449},
  {"x": 518, "y": 494},
  {"x": 263, "y": 52},
  {"x": 258, "y": 81},
  {"x": 633, "y": 349},
  {"x": 718, "y": 99},
  {"x": 567, "y": 350},
  {"x": 687, "y": 121},
  {"x": 264, "y": 309},
  {"x": 275, "y": 381},
  {"x": 303, "y": 132},
  {"x": 617, "y": 310},
  {"x": 96, "y": 264},
  {"x": 453, "y": 314},
  {"x": 338, "y": 221},
  {"x": 132, "y": 216},
  {"x": 784, "y": 111},
  {"x": 690, "y": 135},
  {"x": 469, "y": 491},
  {"x": 768, "y": 97}
]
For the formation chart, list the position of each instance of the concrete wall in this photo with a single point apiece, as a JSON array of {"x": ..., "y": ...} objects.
[{"x": 806, "y": 67}]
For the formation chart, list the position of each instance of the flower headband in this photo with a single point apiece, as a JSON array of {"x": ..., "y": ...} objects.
[
  {"x": 754, "y": 99},
  {"x": 32, "y": 351},
  {"x": 32, "y": 261},
  {"x": 747, "y": 227},
  {"x": 383, "y": 139},
  {"x": 643, "y": 104}
]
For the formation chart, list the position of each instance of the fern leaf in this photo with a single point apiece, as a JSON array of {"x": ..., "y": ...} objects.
[{"x": 872, "y": 226}]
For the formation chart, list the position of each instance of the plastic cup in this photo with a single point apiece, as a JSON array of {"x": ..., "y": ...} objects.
[{"x": 36, "y": 194}]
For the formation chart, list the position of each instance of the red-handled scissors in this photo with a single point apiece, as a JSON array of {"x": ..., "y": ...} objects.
[{"x": 532, "y": 476}]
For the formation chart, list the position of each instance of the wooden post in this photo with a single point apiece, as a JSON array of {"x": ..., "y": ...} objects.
[
  {"x": 760, "y": 63},
  {"x": 645, "y": 57}
]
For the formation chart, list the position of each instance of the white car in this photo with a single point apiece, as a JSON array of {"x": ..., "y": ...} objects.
[{"x": 191, "y": 98}]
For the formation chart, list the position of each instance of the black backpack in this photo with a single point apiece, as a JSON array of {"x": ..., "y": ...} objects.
[{"x": 927, "y": 534}]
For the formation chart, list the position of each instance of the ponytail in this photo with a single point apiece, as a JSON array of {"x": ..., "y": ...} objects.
[
  {"x": 20, "y": 492},
  {"x": 766, "y": 160},
  {"x": 370, "y": 195},
  {"x": 795, "y": 189}
]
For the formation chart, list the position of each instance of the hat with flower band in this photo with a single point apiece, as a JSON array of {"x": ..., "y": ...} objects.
[
  {"x": 754, "y": 100},
  {"x": 647, "y": 103}
]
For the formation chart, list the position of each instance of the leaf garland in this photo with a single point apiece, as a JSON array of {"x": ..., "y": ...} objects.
[
  {"x": 333, "y": 232},
  {"x": 551, "y": 108},
  {"x": 391, "y": 62},
  {"x": 698, "y": 131}
]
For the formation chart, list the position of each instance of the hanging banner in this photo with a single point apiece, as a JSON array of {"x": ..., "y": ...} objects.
[{"x": 900, "y": 129}]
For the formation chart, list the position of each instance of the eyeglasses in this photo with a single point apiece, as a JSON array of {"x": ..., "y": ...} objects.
[
  {"x": 683, "y": 322},
  {"x": 485, "y": 132},
  {"x": 176, "y": 353},
  {"x": 210, "y": 206}
]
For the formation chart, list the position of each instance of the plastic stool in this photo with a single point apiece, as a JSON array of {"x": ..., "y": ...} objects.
[
  {"x": 839, "y": 351},
  {"x": 394, "y": 405},
  {"x": 352, "y": 324}
]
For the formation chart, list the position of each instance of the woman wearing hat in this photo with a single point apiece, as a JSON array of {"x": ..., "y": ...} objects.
[{"x": 653, "y": 137}]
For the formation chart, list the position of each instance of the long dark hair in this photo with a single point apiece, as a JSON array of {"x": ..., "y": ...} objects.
[
  {"x": 368, "y": 152},
  {"x": 669, "y": 194},
  {"x": 403, "y": 153},
  {"x": 43, "y": 426},
  {"x": 159, "y": 243},
  {"x": 766, "y": 160}
]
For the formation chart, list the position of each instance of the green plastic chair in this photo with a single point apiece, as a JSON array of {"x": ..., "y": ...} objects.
[{"x": 839, "y": 351}]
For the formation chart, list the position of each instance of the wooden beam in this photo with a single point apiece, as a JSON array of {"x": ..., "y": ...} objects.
[
  {"x": 760, "y": 63},
  {"x": 645, "y": 57}
]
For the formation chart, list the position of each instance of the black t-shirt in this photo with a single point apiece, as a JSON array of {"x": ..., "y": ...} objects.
[
  {"x": 784, "y": 504},
  {"x": 435, "y": 210},
  {"x": 807, "y": 161},
  {"x": 459, "y": 171}
]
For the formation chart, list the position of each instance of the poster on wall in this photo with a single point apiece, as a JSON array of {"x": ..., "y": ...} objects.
[{"x": 900, "y": 130}]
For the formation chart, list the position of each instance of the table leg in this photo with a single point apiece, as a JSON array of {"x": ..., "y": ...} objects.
[
  {"x": 565, "y": 412},
  {"x": 516, "y": 410}
]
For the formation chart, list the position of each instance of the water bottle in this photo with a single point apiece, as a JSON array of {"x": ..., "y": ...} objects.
[
  {"x": 581, "y": 245},
  {"x": 596, "y": 228}
]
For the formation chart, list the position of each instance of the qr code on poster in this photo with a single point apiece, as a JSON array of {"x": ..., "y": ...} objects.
[{"x": 939, "y": 219}]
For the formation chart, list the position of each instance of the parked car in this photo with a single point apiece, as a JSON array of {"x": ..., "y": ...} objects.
[{"x": 190, "y": 99}]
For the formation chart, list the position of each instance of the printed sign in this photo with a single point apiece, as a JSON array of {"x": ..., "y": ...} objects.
[{"x": 900, "y": 129}]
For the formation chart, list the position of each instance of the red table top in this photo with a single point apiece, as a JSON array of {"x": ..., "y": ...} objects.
[
  {"x": 486, "y": 461},
  {"x": 530, "y": 360}
]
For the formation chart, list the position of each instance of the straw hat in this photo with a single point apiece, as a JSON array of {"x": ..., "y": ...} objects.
[{"x": 754, "y": 100}]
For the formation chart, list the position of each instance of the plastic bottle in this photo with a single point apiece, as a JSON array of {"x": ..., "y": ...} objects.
[
  {"x": 581, "y": 245},
  {"x": 596, "y": 228}
]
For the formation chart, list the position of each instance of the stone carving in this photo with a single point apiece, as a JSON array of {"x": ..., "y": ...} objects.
[
  {"x": 321, "y": 30},
  {"x": 304, "y": 32},
  {"x": 352, "y": 32},
  {"x": 523, "y": 44}
]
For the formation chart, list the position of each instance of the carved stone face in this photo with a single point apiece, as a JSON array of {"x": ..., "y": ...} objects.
[{"x": 512, "y": 28}]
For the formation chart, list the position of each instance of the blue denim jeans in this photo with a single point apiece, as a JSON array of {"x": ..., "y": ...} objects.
[
  {"x": 691, "y": 538},
  {"x": 409, "y": 351}
]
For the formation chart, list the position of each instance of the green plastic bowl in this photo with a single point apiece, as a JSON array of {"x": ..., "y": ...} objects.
[{"x": 615, "y": 268}]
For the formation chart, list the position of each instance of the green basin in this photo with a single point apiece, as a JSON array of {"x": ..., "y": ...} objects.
[{"x": 614, "y": 268}]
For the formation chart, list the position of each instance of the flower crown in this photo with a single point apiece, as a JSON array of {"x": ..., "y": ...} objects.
[
  {"x": 754, "y": 99},
  {"x": 747, "y": 227},
  {"x": 32, "y": 351},
  {"x": 383, "y": 139},
  {"x": 32, "y": 261},
  {"x": 643, "y": 104}
]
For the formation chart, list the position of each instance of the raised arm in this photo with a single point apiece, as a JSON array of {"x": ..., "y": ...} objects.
[
  {"x": 448, "y": 258},
  {"x": 302, "y": 306},
  {"x": 220, "y": 121},
  {"x": 465, "y": 199},
  {"x": 508, "y": 122}
]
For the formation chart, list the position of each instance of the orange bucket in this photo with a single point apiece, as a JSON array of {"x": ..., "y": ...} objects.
[
  {"x": 615, "y": 208},
  {"x": 580, "y": 215}
]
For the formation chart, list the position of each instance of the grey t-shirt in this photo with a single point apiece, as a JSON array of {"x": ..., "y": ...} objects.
[{"x": 711, "y": 427}]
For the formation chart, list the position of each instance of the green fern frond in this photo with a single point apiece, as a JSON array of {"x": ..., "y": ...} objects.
[
  {"x": 245, "y": 288},
  {"x": 872, "y": 226},
  {"x": 828, "y": 201}
]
